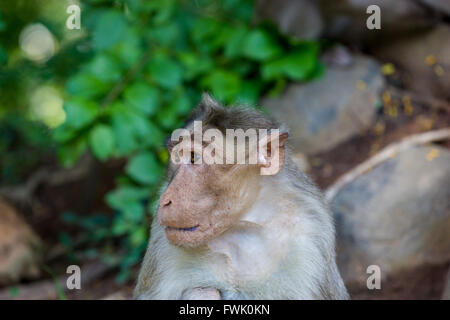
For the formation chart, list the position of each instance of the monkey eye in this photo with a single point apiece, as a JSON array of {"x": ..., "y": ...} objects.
[{"x": 194, "y": 157}]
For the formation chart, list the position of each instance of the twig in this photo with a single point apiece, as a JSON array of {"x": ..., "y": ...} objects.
[
  {"x": 385, "y": 154},
  {"x": 23, "y": 194}
]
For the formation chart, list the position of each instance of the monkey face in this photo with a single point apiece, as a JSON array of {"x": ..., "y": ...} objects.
[{"x": 202, "y": 201}]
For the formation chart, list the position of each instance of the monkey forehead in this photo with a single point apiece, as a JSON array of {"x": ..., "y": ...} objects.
[
  {"x": 192, "y": 146},
  {"x": 210, "y": 135},
  {"x": 170, "y": 142}
]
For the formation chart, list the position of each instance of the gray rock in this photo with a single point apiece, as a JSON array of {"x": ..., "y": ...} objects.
[
  {"x": 346, "y": 19},
  {"x": 440, "y": 5},
  {"x": 446, "y": 293},
  {"x": 325, "y": 112},
  {"x": 20, "y": 253},
  {"x": 410, "y": 55},
  {"x": 338, "y": 55},
  {"x": 397, "y": 217},
  {"x": 299, "y": 18}
]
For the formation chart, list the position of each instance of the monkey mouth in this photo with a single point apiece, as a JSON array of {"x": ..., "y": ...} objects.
[{"x": 190, "y": 229}]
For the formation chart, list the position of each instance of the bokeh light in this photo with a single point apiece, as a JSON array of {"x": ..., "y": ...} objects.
[
  {"x": 46, "y": 105},
  {"x": 37, "y": 42}
]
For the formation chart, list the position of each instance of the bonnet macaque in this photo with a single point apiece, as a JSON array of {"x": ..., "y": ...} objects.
[{"x": 235, "y": 231}]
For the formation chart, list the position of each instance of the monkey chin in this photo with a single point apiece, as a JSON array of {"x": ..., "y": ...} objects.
[{"x": 192, "y": 237}]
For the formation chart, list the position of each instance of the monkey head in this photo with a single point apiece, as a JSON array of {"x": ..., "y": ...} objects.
[{"x": 203, "y": 199}]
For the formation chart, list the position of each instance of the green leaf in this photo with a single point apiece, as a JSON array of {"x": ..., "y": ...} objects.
[
  {"x": 134, "y": 212},
  {"x": 167, "y": 117},
  {"x": 278, "y": 87},
  {"x": 2, "y": 23},
  {"x": 121, "y": 227},
  {"x": 235, "y": 44},
  {"x": 124, "y": 132},
  {"x": 130, "y": 215},
  {"x": 250, "y": 93},
  {"x": 70, "y": 218},
  {"x": 105, "y": 68},
  {"x": 204, "y": 28},
  {"x": 3, "y": 54},
  {"x": 222, "y": 84},
  {"x": 260, "y": 46},
  {"x": 80, "y": 113},
  {"x": 165, "y": 35},
  {"x": 66, "y": 240},
  {"x": 165, "y": 71},
  {"x": 139, "y": 236},
  {"x": 144, "y": 168},
  {"x": 94, "y": 221},
  {"x": 296, "y": 66},
  {"x": 318, "y": 71},
  {"x": 64, "y": 133},
  {"x": 181, "y": 104},
  {"x": 121, "y": 197},
  {"x": 133, "y": 129},
  {"x": 142, "y": 97},
  {"x": 240, "y": 9},
  {"x": 102, "y": 141},
  {"x": 194, "y": 64},
  {"x": 13, "y": 291},
  {"x": 109, "y": 30},
  {"x": 125, "y": 140},
  {"x": 129, "y": 50},
  {"x": 148, "y": 134},
  {"x": 162, "y": 10},
  {"x": 86, "y": 85},
  {"x": 69, "y": 154}
]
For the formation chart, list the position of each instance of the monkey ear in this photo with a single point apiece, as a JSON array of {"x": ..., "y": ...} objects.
[{"x": 271, "y": 153}]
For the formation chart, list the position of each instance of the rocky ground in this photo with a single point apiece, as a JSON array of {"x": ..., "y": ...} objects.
[{"x": 392, "y": 208}]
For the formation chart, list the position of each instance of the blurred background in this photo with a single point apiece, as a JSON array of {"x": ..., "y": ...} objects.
[{"x": 84, "y": 113}]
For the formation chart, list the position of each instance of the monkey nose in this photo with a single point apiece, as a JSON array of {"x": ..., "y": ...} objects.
[{"x": 166, "y": 203}]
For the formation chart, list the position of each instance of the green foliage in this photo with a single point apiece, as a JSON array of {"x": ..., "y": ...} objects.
[
  {"x": 141, "y": 69},
  {"x": 102, "y": 142},
  {"x": 19, "y": 138}
]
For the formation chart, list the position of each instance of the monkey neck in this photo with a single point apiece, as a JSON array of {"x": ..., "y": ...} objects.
[
  {"x": 259, "y": 241},
  {"x": 272, "y": 199}
]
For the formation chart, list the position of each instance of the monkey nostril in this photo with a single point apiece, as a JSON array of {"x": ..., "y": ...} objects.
[{"x": 167, "y": 203}]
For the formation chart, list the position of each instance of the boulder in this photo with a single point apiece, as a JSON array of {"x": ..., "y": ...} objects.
[
  {"x": 325, "y": 112},
  {"x": 397, "y": 217},
  {"x": 425, "y": 61},
  {"x": 446, "y": 293},
  {"x": 19, "y": 247},
  {"x": 346, "y": 19},
  {"x": 299, "y": 18},
  {"x": 439, "y": 5}
]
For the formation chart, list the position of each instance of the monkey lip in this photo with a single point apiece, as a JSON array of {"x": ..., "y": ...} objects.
[{"x": 169, "y": 228}]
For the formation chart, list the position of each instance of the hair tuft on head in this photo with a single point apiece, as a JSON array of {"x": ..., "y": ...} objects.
[{"x": 208, "y": 102}]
